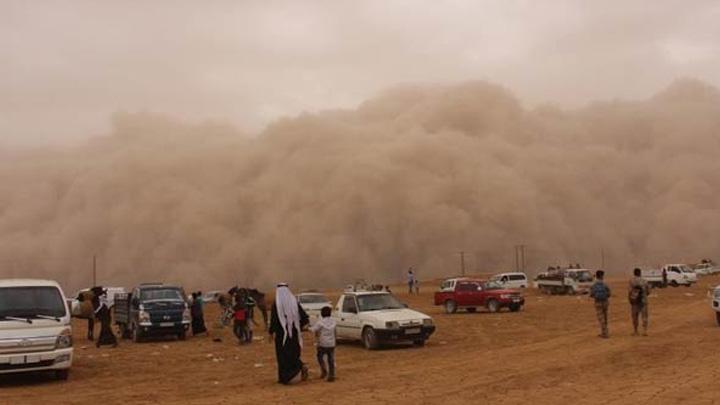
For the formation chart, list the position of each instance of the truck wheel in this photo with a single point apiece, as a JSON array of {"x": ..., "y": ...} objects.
[
  {"x": 62, "y": 375},
  {"x": 717, "y": 317},
  {"x": 182, "y": 335},
  {"x": 493, "y": 306},
  {"x": 569, "y": 290},
  {"x": 369, "y": 339},
  {"x": 515, "y": 307},
  {"x": 450, "y": 307},
  {"x": 688, "y": 285},
  {"x": 419, "y": 342},
  {"x": 472, "y": 310},
  {"x": 674, "y": 283},
  {"x": 137, "y": 336}
]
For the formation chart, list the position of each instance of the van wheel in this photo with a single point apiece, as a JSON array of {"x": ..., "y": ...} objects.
[
  {"x": 419, "y": 342},
  {"x": 515, "y": 307},
  {"x": 137, "y": 336},
  {"x": 450, "y": 307},
  {"x": 472, "y": 309},
  {"x": 674, "y": 283},
  {"x": 62, "y": 375},
  {"x": 717, "y": 317},
  {"x": 369, "y": 338},
  {"x": 493, "y": 306}
]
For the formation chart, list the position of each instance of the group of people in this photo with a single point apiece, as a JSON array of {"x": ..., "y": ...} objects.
[
  {"x": 638, "y": 292},
  {"x": 243, "y": 311}
]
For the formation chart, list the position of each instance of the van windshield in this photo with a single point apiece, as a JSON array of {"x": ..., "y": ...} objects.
[
  {"x": 153, "y": 294},
  {"x": 29, "y": 302}
]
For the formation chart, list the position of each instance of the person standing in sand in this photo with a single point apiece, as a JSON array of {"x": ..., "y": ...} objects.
[
  {"x": 638, "y": 291},
  {"x": 410, "y": 280},
  {"x": 600, "y": 292},
  {"x": 287, "y": 319}
]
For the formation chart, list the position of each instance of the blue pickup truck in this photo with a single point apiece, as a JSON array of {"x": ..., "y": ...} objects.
[{"x": 152, "y": 310}]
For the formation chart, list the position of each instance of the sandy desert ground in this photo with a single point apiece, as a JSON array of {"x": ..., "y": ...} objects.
[{"x": 546, "y": 354}]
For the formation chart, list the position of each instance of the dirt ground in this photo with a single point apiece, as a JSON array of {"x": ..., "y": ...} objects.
[{"x": 546, "y": 354}]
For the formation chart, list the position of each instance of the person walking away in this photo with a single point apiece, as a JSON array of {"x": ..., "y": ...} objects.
[
  {"x": 287, "y": 319},
  {"x": 410, "y": 280},
  {"x": 638, "y": 292},
  {"x": 240, "y": 319},
  {"x": 325, "y": 334},
  {"x": 250, "y": 305},
  {"x": 102, "y": 313},
  {"x": 197, "y": 316},
  {"x": 601, "y": 293}
]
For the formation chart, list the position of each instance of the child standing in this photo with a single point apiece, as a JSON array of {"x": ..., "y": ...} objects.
[{"x": 324, "y": 330}]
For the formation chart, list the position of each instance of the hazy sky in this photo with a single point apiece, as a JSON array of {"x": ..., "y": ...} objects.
[{"x": 66, "y": 66}]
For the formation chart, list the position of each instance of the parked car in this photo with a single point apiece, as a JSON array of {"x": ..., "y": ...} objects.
[
  {"x": 716, "y": 304},
  {"x": 35, "y": 328},
  {"x": 152, "y": 309},
  {"x": 565, "y": 281},
  {"x": 312, "y": 303},
  {"x": 511, "y": 280},
  {"x": 377, "y": 317},
  {"x": 706, "y": 269},
  {"x": 470, "y": 294},
  {"x": 673, "y": 275},
  {"x": 211, "y": 296}
]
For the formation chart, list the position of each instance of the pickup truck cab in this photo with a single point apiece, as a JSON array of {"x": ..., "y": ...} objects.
[
  {"x": 511, "y": 280},
  {"x": 470, "y": 294},
  {"x": 377, "y": 317},
  {"x": 152, "y": 309},
  {"x": 35, "y": 330}
]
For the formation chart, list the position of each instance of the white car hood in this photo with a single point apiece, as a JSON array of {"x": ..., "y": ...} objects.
[
  {"x": 39, "y": 327},
  {"x": 397, "y": 315},
  {"x": 316, "y": 306}
]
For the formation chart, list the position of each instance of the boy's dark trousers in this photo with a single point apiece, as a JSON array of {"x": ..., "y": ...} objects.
[{"x": 330, "y": 353}]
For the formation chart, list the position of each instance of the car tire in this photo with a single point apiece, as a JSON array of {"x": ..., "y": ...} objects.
[
  {"x": 369, "y": 338},
  {"x": 717, "y": 317},
  {"x": 137, "y": 336},
  {"x": 569, "y": 290},
  {"x": 471, "y": 310},
  {"x": 674, "y": 283},
  {"x": 419, "y": 342},
  {"x": 182, "y": 335},
  {"x": 515, "y": 307},
  {"x": 62, "y": 375},
  {"x": 493, "y": 306},
  {"x": 450, "y": 307}
]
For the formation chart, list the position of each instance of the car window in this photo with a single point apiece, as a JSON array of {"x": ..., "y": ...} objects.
[
  {"x": 312, "y": 299},
  {"x": 517, "y": 277},
  {"x": 376, "y": 302},
  {"x": 29, "y": 302},
  {"x": 349, "y": 304},
  {"x": 467, "y": 287}
]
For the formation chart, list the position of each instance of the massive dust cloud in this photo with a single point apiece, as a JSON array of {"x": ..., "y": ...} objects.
[{"x": 409, "y": 178}]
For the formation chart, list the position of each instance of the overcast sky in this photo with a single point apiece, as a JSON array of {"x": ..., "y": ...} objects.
[{"x": 66, "y": 66}]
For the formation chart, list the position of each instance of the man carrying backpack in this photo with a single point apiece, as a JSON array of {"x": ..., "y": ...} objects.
[
  {"x": 601, "y": 293},
  {"x": 638, "y": 296}
]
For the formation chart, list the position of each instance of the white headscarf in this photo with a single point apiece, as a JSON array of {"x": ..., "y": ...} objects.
[{"x": 287, "y": 310}]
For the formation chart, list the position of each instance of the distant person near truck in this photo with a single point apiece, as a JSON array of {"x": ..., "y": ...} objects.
[
  {"x": 197, "y": 315},
  {"x": 600, "y": 292},
  {"x": 410, "y": 280},
  {"x": 638, "y": 291},
  {"x": 102, "y": 313}
]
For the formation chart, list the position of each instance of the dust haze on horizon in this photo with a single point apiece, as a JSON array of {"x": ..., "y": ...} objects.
[{"x": 259, "y": 143}]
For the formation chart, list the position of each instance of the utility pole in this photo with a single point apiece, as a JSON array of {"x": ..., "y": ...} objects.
[
  {"x": 462, "y": 263},
  {"x": 94, "y": 270},
  {"x": 520, "y": 258}
]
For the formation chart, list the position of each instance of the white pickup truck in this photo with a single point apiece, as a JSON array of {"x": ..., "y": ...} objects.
[
  {"x": 35, "y": 333},
  {"x": 670, "y": 275},
  {"x": 377, "y": 317}
]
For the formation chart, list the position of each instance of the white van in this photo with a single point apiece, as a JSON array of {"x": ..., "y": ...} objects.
[
  {"x": 35, "y": 332},
  {"x": 511, "y": 280}
]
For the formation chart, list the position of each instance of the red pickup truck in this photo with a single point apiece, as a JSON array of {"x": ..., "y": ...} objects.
[{"x": 470, "y": 294}]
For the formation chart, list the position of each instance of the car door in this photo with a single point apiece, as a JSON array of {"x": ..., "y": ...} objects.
[{"x": 348, "y": 324}]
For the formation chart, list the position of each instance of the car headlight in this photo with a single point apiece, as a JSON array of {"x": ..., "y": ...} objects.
[
  {"x": 427, "y": 322},
  {"x": 186, "y": 315},
  {"x": 392, "y": 325},
  {"x": 143, "y": 316},
  {"x": 64, "y": 339}
]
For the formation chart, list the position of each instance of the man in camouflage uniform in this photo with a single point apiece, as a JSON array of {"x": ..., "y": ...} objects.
[
  {"x": 638, "y": 291},
  {"x": 601, "y": 293}
]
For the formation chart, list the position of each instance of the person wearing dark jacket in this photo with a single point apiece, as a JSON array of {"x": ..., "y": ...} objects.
[
  {"x": 600, "y": 292},
  {"x": 102, "y": 313},
  {"x": 638, "y": 292},
  {"x": 287, "y": 319}
]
